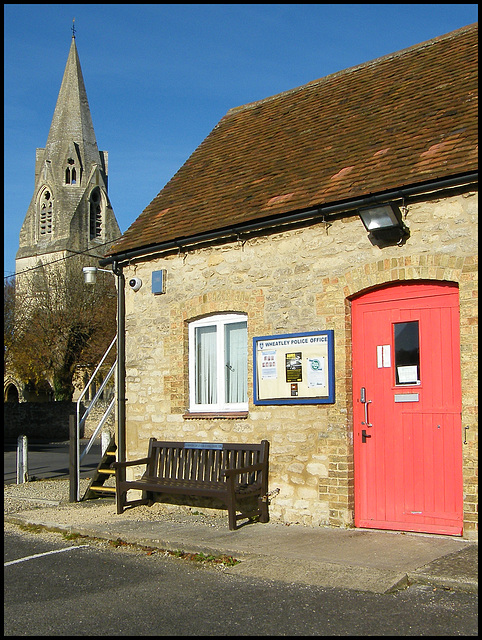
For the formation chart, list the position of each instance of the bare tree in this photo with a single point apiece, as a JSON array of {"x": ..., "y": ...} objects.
[
  {"x": 8, "y": 320},
  {"x": 60, "y": 324}
]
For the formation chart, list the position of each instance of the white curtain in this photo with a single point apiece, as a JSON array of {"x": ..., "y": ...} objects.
[
  {"x": 236, "y": 362},
  {"x": 206, "y": 385}
]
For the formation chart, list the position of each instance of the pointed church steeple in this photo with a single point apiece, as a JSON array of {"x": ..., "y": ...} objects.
[
  {"x": 70, "y": 210},
  {"x": 72, "y": 122}
]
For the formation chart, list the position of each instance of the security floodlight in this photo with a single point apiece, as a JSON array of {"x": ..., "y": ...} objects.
[{"x": 384, "y": 222}]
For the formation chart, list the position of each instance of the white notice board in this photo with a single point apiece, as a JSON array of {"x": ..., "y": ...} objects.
[{"x": 296, "y": 368}]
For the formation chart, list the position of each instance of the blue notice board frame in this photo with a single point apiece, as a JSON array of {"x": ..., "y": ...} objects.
[{"x": 294, "y": 368}]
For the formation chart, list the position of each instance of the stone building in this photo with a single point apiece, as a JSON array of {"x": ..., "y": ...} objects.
[
  {"x": 260, "y": 305},
  {"x": 70, "y": 212}
]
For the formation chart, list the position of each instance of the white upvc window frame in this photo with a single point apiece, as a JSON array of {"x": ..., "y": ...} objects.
[{"x": 218, "y": 321}]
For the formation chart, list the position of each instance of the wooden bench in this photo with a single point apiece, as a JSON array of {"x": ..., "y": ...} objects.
[{"x": 228, "y": 472}]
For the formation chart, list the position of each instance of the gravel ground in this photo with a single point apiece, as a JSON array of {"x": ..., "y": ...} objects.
[
  {"x": 38, "y": 493},
  {"x": 51, "y": 494}
]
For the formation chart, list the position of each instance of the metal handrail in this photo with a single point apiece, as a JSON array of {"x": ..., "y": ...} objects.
[
  {"x": 98, "y": 428},
  {"x": 81, "y": 421},
  {"x": 96, "y": 397},
  {"x": 84, "y": 391}
]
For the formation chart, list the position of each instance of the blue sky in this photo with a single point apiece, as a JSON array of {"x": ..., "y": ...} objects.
[{"x": 159, "y": 77}]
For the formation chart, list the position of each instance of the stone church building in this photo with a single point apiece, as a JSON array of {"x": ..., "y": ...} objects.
[
  {"x": 70, "y": 212},
  {"x": 309, "y": 277}
]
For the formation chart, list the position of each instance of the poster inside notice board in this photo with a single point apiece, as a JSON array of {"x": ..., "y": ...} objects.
[{"x": 295, "y": 368}]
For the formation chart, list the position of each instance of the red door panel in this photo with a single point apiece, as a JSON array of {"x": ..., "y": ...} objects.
[{"x": 407, "y": 404}]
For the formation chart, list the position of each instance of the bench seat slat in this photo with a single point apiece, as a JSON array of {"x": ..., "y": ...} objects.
[{"x": 186, "y": 487}]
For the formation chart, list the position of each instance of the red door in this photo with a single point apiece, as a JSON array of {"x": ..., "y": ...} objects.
[{"x": 407, "y": 409}]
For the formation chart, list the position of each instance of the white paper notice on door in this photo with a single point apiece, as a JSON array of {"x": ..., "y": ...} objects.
[
  {"x": 383, "y": 356},
  {"x": 408, "y": 375}
]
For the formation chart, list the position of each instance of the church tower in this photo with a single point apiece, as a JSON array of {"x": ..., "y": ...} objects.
[{"x": 70, "y": 211}]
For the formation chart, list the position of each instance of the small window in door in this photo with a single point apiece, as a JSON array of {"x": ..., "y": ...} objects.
[{"x": 407, "y": 353}]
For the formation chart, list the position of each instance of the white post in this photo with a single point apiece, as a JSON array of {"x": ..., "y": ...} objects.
[
  {"x": 22, "y": 461},
  {"x": 105, "y": 440}
]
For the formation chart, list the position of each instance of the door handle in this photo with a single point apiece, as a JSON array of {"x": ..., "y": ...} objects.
[
  {"x": 368, "y": 424},
  {"x": 366, "y": 403},
  {"x": 364, "y": 436}
]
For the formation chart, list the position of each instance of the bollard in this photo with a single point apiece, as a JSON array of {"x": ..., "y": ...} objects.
[
  {"x": 22, "y": 461},
  {"x": 73, "y": 461}
]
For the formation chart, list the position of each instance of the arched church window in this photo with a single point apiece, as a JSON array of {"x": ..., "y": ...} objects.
[
  {"x": 95, "y": 205},
  {"x": 45, "y": 206},
  {"x": 70, "y": 172},
  {"x": 11, "y": 393}
]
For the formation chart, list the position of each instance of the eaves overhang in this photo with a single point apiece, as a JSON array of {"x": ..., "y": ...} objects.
[{"x": 313, "y": 214}]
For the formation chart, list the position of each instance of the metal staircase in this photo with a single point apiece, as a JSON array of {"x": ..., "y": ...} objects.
[{"x": 104, "y": 471}]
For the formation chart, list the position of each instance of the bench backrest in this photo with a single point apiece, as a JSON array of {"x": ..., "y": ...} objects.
[{"x": 205, "y": 461}]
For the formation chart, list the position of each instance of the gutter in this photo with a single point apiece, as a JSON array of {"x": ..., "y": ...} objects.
[{"x": 406, "y": 192}]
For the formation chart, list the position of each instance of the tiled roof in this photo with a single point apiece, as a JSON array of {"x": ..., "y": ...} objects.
[{"x": 399, "y": 120}]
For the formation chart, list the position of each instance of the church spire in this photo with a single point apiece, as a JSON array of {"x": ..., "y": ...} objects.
[
  {"x": 72, "y": 121},
  {"x": 70, "y": 209}
]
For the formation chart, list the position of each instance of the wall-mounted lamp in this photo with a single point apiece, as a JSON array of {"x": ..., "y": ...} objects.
[
  {"x": 90, "y": 274},
  {"x": 384, "y": 222}
]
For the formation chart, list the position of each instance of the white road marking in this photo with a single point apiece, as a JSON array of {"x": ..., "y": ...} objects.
[{"x": 47, "y": 553}]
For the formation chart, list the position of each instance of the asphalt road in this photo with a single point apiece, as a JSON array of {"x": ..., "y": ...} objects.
[
  {"x": 98, "y": 590},
  {"x": 48, "y": 460}
]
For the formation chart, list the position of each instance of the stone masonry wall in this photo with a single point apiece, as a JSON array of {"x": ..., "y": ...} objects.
[
  {"x": 37, "y": 420},
  {"x": 291, "y": 282}
]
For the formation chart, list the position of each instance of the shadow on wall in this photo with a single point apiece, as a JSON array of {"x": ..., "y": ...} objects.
[{"x": 42, "y": 420}]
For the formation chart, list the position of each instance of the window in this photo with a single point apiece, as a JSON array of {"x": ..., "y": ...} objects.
[
  {"x": 70, "y": 172},
  {"x": 218, "y": 363},
  {"x": 45, "y": 209},
  {"x": 95, "y": 214},
  {"x": 407, "y": 353}
]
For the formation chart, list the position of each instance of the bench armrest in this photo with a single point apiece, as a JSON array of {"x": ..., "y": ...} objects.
[
  {"x": 252, "y": 467},
  {"x": 130, "y": 463}
]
